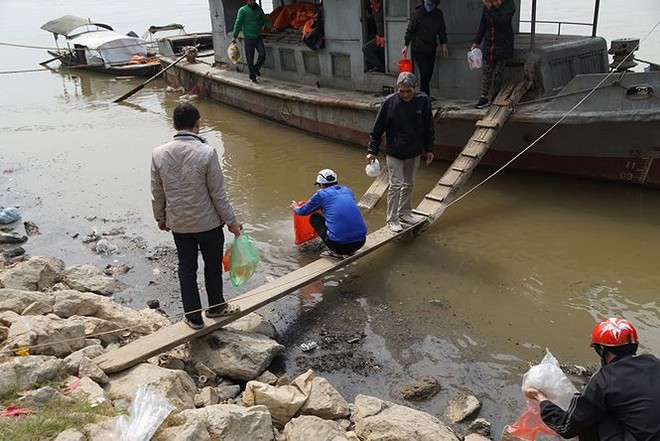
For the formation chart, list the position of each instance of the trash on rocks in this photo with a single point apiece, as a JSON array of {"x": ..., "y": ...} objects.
[
  {"x": 309, "y": 346},
  {"x": 31, "y": 229},
  {"x": 13, "y": 411},
  {"x": 12, "y": 237},
  {"x": 92, "y": 237},
  {"x": 103, "y": 246},
  {"x": 9, "y": 215},
  {"x": 148, "y": 411},
  {"x": 116, "y": 270}
]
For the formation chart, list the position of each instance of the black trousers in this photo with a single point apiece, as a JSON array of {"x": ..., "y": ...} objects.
[
  {"x": 250, "y": 44},
  {"x": 425, "y": 62},
  {"x": 318, "y": 223},
  {"x": 375, "y": 55},
  {"x": 187, "y": 246}
]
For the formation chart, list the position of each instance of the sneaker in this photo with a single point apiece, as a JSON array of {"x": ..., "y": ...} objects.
[
  {"x": 482, "y": 103},
  {"x": 254, "y": 80},
  {"x": 193, "y": 323},
  {"x": 395, "y": 226},
  {"x": 408, "y": 219}
]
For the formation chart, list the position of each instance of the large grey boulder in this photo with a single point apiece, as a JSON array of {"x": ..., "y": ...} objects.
[
  {"x": 18, "y": 300},
  {"x": 70, "y": 435},
  {"x": 232, "y": 422},
  {"x": 253, "y": 322},
  {"x": 462, "y": 406},
  {"x": 234, "y": 354},
  {"x": 42, "y": 397},
  {"x": 309, "y": 427},
  {"x": 36, "y": 274},
  {"x": 88, "y": 391},
  {"x": 376, "y": 419},
  {"x": 325, "y": 401},
  {"x": 47, "y": 335},
  {"x": 92, "y": 279},
  {"x": 72, "y": 361},
  {"x": 176, "y": 386},
  {"x": 21, "y": 373},
  {"x": 193, "y": 431}
]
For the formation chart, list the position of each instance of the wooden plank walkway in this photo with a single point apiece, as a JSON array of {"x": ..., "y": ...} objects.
[
  {"x": 430, "y": 209},
  {"x": 171, "y": 336},
  {"x": 375, "y": 191}
]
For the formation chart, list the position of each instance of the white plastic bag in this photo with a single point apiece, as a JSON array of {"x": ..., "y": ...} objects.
[
  {"x": 148, "y": 411},
  {"x": 548, "y": 377},
  {"x": 373, "y": 168},
  {"x": 474, "y": 58},
  {"x": 233, "y": 53}
]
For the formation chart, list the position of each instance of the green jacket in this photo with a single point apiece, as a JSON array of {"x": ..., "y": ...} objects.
[{"x": 250, "y": 21}]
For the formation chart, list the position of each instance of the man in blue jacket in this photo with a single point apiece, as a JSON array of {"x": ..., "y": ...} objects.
[{"x": 341, "y": 226}]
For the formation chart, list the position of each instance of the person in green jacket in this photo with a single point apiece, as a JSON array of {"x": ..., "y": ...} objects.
[{"x": 251, "y": 19}]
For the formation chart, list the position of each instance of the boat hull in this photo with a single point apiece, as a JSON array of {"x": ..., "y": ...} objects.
[
  {"x": 137, "y": 70},
  {"x": 621, "y": 151}
]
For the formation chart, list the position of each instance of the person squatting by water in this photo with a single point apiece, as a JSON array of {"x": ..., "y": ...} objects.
[
  {"x": 406, "y": 120},
  {"x": 621, "y": 401},
  {"x": 189, "y": 198},
  {"x": 341, "y": 226},
  {"x": 251, "y": 19},
  {"x": 496, "y": 31},
  {"x": 374, "y": 49},
  {"x": 425, "y": 30}
]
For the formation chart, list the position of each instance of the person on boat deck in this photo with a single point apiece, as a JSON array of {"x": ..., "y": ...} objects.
[
  {"x": 405, "y": 118},
  {"x": 425, "y": 29},
  {"x": 621, "y": 401},
  {"x": 341, "y": 226},
  {"x": 496, "y": 31},
  {"x": 374, "y": 49},
  {"x": 189, "y": 198},
  {"x": 251, "y": 19}
]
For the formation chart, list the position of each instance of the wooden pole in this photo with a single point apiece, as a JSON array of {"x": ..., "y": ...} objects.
[{"x": 141, "y": 86}]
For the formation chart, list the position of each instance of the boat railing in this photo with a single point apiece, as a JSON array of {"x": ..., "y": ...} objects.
[{"x": 533, "y": 21}]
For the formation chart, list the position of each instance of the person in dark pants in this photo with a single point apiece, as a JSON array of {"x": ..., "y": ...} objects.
[
  {"x": 374, "y": 49},
  {"x": 425, "y": 30},
  {"x": 189, "y": 198},
  {"x": 251, "y": 19},
  {"x": 341, "y": 226},
  {"x": 496, "y": 31},
  {"x": 621, "y": 401}
]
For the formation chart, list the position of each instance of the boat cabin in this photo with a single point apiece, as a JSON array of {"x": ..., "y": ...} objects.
[{"x": 551, "y": 59}]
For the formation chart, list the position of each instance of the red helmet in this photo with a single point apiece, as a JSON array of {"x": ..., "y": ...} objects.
[{"x": 614, "y": 332}]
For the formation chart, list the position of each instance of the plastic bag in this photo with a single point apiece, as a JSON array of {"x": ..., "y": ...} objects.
[
  {"x": 148, "y": 411},
  {"x": 474, "y": 58},
  {"x": 302, "y": 229},
  {"x": 373, "y": 168},
  {"x": 243, "y": 260},
  {"x": 233, "y": 53},
  {"x": 9, "y": 215},
  {"x": 226, "y": 259},
  {"x": 547, "y": 377}
]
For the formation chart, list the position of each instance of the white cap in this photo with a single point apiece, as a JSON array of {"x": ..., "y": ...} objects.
[{"x": 326, "y": 176}]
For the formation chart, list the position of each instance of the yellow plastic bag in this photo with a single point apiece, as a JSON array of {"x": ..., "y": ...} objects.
[{"x": 233, "y": 53}]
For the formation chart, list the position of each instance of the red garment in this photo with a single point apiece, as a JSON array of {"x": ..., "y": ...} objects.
[
  {"x": 293, "y": 16},
  {"x": 13, "y": 411}
]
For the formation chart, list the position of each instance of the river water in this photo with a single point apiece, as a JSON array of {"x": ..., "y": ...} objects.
[{"x": 526, "y": 262}]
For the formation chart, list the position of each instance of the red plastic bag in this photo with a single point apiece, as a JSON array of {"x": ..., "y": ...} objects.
[
  {"x": 226, "y": 259},
  {"x": 529, "y": 424},
  {"x": 302, "y": 229},
  {"x": 13, "y": 411}
]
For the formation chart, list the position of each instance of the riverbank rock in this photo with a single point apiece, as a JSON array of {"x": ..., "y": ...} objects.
[
  {"x": 176, "y": 386},
  {"x": 92, "y": 279},
  {"x": 325, "y": 401},
  {"x": 462, "y": 406},
  {"x": 47, "y": 335},
  {"x": 19, "y": 300},
  {"x": 421, "y": 388},
  {"x": 254, "y": 322},
  {"x": 231, "y": 422},
  {"x": 480, "y": 426},
  {"x": 376, "y": 419},
  {"x": 22, "y": 372},
  {"x": 234, "y": 354},
  {"x": 309, "y": 427},
  {"x": 35, "y": 274}
]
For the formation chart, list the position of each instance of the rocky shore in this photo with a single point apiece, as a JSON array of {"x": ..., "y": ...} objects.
[{"x": 55, "y": 319}]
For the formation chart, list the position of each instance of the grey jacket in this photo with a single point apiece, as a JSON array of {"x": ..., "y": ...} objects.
[{"x": 188, "y": 187}]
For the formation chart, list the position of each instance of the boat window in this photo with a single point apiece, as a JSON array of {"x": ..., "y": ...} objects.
[{"x": 396, "y": 9}]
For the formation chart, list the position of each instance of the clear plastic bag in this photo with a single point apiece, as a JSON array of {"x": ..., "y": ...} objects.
[
  {"x": 233, "y": 53},
  {"x": 373, "y": 168},
  {"x": 243, "y": 261},
  {"x": 474, "y": 58},
  {"x": 148, "y": 411},
  {"x": 9, "y": 215}
]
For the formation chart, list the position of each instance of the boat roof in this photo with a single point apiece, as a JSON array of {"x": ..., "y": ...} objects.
[
  {"x": 168, "y": 27},
  {"x": 66, "y": 24},
  {"x": 98, "y": 39}
]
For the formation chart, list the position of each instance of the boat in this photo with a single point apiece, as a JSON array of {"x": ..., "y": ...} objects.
[
  {"x": 169, "y": 44},
  {"x": 612, "y": 135},
  {"x": 96, "y": 46}
]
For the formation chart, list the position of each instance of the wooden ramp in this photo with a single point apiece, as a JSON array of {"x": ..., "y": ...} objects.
[
  {"x": 445, "y": 191},
  {"x": 171, "y": 336},
  {"x": 375, "y": 191},
  {"x": 431, "y": 208}
]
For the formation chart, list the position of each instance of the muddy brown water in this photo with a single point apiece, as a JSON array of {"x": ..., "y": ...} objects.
[{"x": 526, "y": 262}]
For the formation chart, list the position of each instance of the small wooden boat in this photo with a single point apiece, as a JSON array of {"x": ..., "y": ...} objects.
[{"x": 96, "y": 46}]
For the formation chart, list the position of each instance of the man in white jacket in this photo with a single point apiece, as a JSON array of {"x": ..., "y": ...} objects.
[{"x": 189, "y": 198}]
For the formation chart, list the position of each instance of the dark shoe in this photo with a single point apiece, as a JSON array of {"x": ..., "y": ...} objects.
[
  {"x": 482, "y": 103},
  {"x": 194, "y": 324},
  {"x": 228, "y": 309},
  {"x": 258, "y": 72},
  {"x": 254, "y": 81}
]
